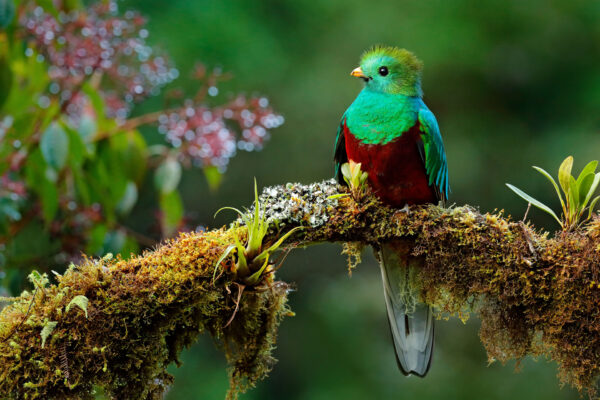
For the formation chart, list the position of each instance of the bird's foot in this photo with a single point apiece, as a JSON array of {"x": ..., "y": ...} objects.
[{"x": 405, "y": 209}]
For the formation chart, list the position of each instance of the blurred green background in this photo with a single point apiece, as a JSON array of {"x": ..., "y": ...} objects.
[{"x": 512, "y": 83}]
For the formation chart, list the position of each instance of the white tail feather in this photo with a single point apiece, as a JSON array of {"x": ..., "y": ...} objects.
[{"x": 411, "y": 321}]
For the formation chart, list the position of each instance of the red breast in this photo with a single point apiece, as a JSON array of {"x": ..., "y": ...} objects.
[{"x": 396, "y": 170}]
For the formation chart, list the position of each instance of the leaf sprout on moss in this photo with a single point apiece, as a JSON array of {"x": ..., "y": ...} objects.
[
  {"x": 354, "y": 177},
  {"x": 577, "y": 193},
  {"x": 252, "y": 258}
]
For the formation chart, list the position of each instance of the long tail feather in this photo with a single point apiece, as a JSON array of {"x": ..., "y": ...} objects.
[{"x": 411, "y": 321}]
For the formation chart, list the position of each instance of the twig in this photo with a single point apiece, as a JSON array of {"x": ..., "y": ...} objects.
[
  {"x": 526, "y": 212},
  {"x": 16, "y": 328}
]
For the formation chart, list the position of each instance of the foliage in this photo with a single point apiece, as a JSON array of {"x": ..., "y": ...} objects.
[
  {"x": 577, "y": 193},
  {"x": 354, "y": 177},
  {"x": 72, "y": 160},
  {"x": 252, "y": 259}
]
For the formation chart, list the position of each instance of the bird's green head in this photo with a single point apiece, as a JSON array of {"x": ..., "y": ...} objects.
[{"x": 390, "y": 70}]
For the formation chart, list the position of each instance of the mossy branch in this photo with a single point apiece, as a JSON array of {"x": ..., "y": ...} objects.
[{"x": 535, "y": 295}]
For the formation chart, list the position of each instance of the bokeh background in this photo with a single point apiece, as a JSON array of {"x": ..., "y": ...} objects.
[{"x": 512, "y": 83}]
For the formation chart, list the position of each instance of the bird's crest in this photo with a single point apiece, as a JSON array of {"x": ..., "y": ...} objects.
[{"x": 403, "y": 56}]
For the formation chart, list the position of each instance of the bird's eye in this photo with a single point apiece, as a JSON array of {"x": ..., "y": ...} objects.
[{"x": 383, "y": 71}]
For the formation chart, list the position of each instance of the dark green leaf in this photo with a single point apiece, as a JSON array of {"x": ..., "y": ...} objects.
[
  {"x": 584, "y": 185},
  {"x": 130, "y": 248},
  {"x": 49, "y": 198},
  {"x": 81, "y": 188},
  {"x": 6, "y": 79},
  {"x": 167, "y": 175},
  {"x": 592, "y": 190},
  {"x": 7, "y": 12},
  {"x": 128, "y": 200},
  {"x": 87, "y": 129},
  {"x": 114, "y": 242},
  {"x": 573, "y": 199},
  {"x": 77, "y": 149},
  {"x": 533, "y": 201},
  {"x": 592, "y": 205},
  {"x": 553, "y": 182},
  {"x": 134, "y": 156},
  {"x": 590, "y": 168},
  {"x": 96, "y": 240},
  {"x": 172, "y": 212},
  {"x": 54, "y": 144},
  {"x": 48, "y": 6}
]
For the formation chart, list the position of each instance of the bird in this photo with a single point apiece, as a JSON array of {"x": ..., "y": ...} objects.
[{"x": 394, "y": 136}]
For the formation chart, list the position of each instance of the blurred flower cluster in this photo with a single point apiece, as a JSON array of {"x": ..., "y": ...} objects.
[
  {"x": 72, "y": 159},
  {"x": 206, "y": 136},
  {"x": 97, "y": 40}
]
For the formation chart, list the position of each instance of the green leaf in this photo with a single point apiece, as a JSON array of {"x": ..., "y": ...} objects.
[
  {"x": 80, "y": 301},
  {"x": 54, "y": 144},
  {"x": 134, "y": 155},
  {"x": 277, "y": 244},
  {"x": 573, "y": 198},
  {"x": 47, "y": 331},
  {"x": 345, "y": 169},
  {"x": 229, "y": 208},
  {"x": 242, "y": 262},
  {"x": 255, "y": 277},
  {"x": 592, "y": 205},
  {"x": 129, "y": 248},
  {"x": 225, "y": 254},
  {"x": 172, "y": 212},
  {"x": 590, "y": 168},
  {"x": 564, "y": 175},
  {"x": 213, "y": 177},
  {"x": 97, "y": 103},
  {"x": 49, "y": 7},
  {"x": 81, "y": 187},
  {"x": 583, "y": 186},
  {"x": 533, "y": 201},
  {"x": 96, "y": 239},
  {"x": 553, "y": 182},
  {"x": 125, "y": 205},
  {"x": 49, "y": 198},
  {"x": 114, "y": 241},
  {"x": 77, "y": 149},
  {"x": 37, "y": 279},
  {"x": 167, "y": 175},
  {"x": 592, "y": 189},
  {"x": 6, "y": 80},
  {"x": 87, "y": 130},
  {"x": 7, "y": 12}
]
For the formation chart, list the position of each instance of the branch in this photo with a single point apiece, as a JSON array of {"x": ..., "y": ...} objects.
[{"x": 535, "y": 295}]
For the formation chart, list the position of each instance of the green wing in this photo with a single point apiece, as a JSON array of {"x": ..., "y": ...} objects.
[
  {"x": 339, "y": 154},
  {"x": 433, "y": 153}
]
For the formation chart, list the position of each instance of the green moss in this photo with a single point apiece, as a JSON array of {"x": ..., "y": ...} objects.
[
  {"x": 141, "y": 313},
  {"x": 535, "y": 295}
]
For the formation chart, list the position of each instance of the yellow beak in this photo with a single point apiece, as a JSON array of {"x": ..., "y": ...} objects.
[{"x": 358, "y": 72}]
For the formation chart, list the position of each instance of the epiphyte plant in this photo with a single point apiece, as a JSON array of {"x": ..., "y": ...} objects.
[
  {"x": 578, "y": 193},
  {"x": 251, "y": 260},
  {"x": 354, "y": 176}
]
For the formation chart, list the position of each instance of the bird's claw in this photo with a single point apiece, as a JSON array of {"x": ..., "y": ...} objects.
[{"x": 405, "y": 209}]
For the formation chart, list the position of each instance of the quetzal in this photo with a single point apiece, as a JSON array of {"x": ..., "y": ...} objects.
[{"x": 391, "y": 132}]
